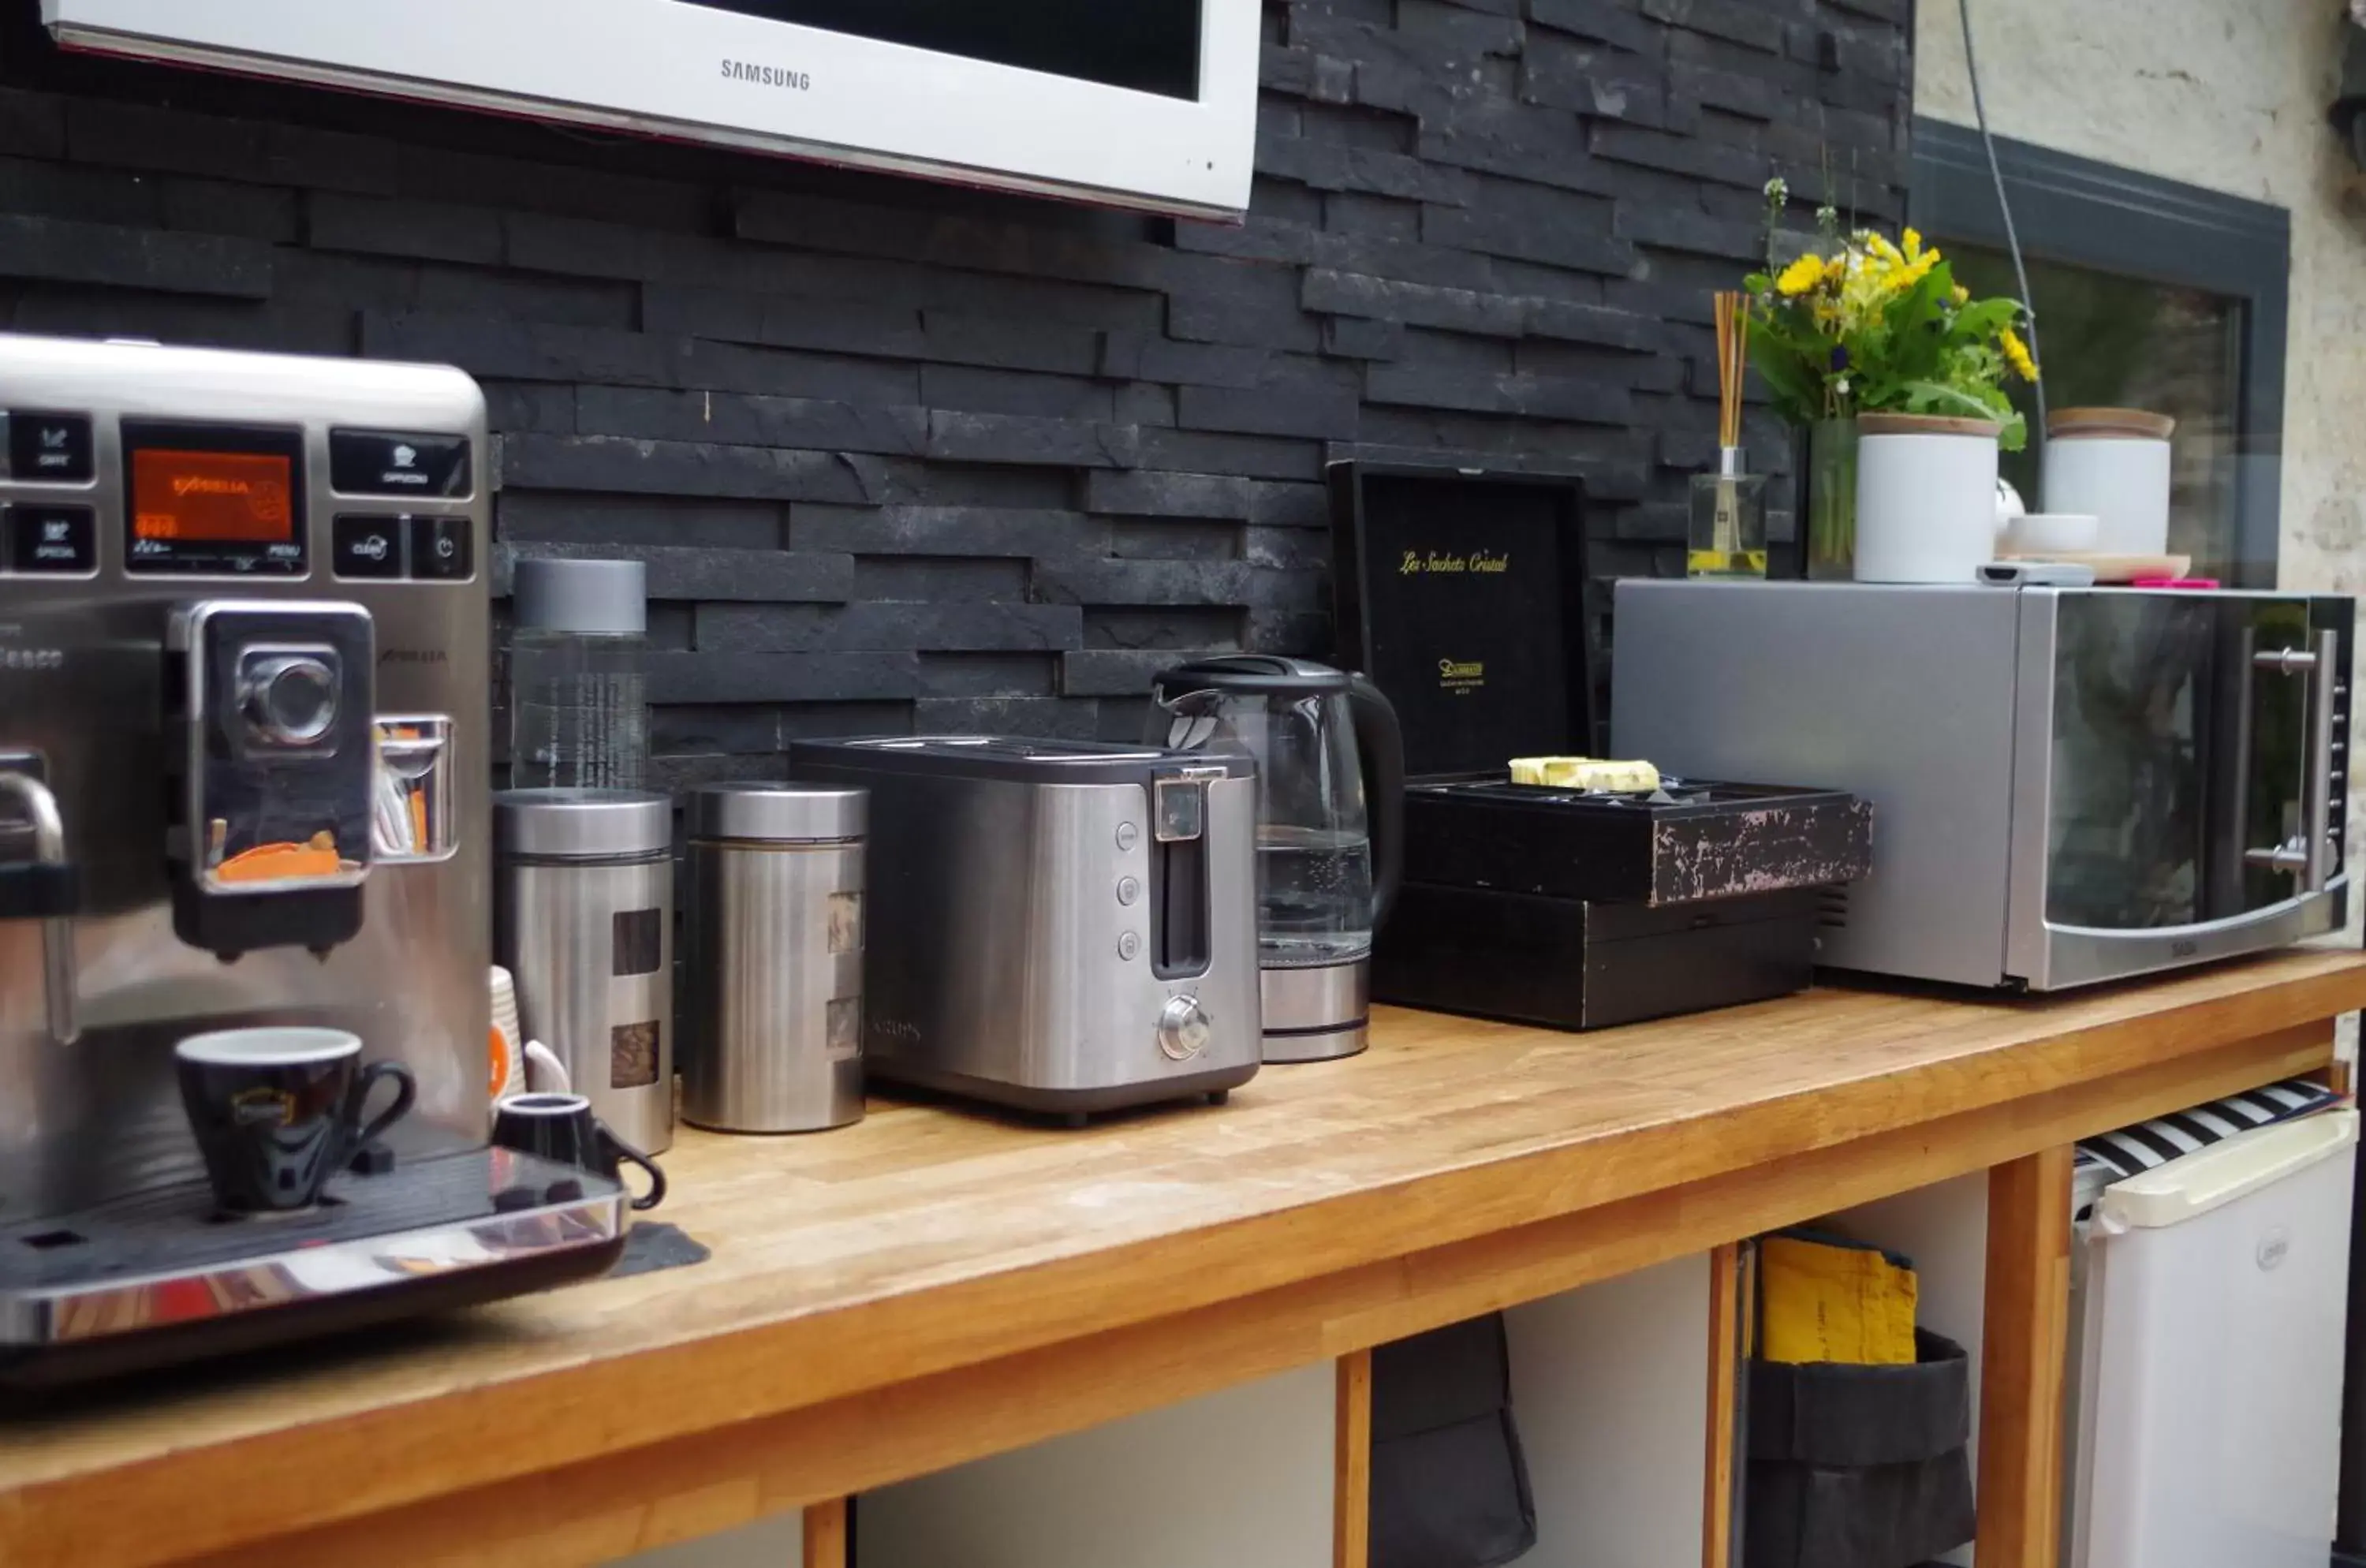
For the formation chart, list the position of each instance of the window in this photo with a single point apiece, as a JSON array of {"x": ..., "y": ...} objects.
[{"x": 2149, "y": 293}]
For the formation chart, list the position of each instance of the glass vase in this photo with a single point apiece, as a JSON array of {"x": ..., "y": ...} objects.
[{"x": 1829, "y": 507}]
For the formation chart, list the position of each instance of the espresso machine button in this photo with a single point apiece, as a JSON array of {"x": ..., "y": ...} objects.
[
  {"x": 53, "y": 539},
  {"x": 439, "y": 548},
  {"x": 370, "y": 462},
  {"x": 367, "y": 546},
  {"x": 289, "y": 699},
  {"x": 1184, "y": 1027},
  {"x": 50, "y": 447}
]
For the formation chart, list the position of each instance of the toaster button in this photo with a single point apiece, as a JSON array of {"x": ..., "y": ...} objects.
[
  {"x": 1128, "y": 945},
  {"x": 1128, "y": 890},
  {"x": 1128, "y": 835},
  {"x": 1183, "y": 1028}
]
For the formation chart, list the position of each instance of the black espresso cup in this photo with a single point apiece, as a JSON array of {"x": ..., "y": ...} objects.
[
  {"x": 561, "y": 1127},
  {"x": 277, "y": 1111}
]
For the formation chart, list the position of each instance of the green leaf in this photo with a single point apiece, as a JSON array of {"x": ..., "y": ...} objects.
[
  {"x": 1983, "y": 319},
  {"x": 1798, "y": 391},
  {"x": 1937, "y": 396}
]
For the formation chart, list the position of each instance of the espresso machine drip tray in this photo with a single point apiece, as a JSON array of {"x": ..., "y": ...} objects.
[{"x": 163, "y": 1278}]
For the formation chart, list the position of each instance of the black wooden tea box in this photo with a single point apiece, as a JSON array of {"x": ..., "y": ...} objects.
[{"x": 1463, "y": 596}]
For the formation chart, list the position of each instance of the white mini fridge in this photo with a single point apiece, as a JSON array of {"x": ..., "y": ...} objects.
[{"x": 2208, "y": 1322}]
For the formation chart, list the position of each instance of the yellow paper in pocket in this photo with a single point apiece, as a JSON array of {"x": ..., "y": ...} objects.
[{"x": 1823, "y": 1301}]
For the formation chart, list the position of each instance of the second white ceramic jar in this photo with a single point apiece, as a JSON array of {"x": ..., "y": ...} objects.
[
  {"x": 1926, "y": 493},
  {"x": 2114, "y": 464}
]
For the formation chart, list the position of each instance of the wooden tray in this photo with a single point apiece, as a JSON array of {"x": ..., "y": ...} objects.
[{"x": 2112, "y": 568}]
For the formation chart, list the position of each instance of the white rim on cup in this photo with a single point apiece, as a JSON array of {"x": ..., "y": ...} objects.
[
  {"x": 271, "y": 1048},
  {"x": 545, "y": 1105}
]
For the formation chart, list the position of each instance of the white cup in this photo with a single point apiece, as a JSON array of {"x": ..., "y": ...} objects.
[{"x": 2053, "y": 534}]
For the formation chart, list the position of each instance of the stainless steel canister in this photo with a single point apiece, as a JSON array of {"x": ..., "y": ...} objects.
[
  {"x": 774, "y": 1029},
  {"x": 583, "y": 917}
]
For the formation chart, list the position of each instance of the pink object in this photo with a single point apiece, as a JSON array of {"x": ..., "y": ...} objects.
[{"x": 2174, "y": 582}]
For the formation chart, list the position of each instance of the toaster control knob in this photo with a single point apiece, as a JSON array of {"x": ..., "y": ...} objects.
[{"x": 1184, "y": 1027}]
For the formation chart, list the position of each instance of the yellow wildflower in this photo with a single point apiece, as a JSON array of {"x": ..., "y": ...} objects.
[
  {"x": 1914, "y": 246},
  {"x": 2016, "y": 354},
  {"x": 1882, "y": 250},
  {"x": 1962, "y": 295},
  {"x": 1900, "y": 277},
  {"x": 1800, "y": 276}
]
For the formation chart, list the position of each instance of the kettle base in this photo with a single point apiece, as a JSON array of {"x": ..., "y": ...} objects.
[
  {"x": 1323, "y": 1048},
  {"x": 1316, "y": 1015}
]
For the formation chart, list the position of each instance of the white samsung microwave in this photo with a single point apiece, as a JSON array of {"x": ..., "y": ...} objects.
[{"x": 1140, "y": 103}]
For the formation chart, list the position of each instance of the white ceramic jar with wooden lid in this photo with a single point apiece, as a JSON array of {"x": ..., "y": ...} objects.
[
  {"x": 2114, "y": 464},
  {"x": 1926, "y": 490}
]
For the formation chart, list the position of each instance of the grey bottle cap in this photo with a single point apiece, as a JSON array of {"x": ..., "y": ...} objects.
[
  {"x": 780, "y": 813},
  {"x": 582, "y": 824},
  {"x": 609, "y": 597}
]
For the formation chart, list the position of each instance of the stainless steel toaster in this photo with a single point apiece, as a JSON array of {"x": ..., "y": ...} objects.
[{"x": 1061, "y": 927}]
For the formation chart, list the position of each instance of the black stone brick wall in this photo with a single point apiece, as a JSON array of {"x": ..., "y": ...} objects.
[{"x": 899, "y": 454}]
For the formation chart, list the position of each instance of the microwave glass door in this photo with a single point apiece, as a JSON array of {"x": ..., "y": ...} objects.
[{"x": 2180, "y": 758}]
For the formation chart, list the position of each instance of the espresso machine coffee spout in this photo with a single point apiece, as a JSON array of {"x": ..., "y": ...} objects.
[{"x": 44, "y": 888}]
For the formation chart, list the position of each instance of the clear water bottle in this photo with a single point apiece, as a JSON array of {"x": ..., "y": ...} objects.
[{"x": 579, "y": 678}]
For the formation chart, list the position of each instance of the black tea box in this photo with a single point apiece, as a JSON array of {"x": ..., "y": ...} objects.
[{"x": 1463, "y": 596}]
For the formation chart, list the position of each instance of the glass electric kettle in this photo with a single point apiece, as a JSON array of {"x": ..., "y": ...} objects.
[{"x": 1330, "y": 829}]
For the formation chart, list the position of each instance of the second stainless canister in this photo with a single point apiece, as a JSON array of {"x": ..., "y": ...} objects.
[{"x": 773, "y": 1034}]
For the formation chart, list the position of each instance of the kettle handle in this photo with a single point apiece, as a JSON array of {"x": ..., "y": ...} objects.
[{"x": 1379, "y": 741}]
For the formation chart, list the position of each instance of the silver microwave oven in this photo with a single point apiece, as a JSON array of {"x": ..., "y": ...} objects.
[{"x": 2068, "y": 785}]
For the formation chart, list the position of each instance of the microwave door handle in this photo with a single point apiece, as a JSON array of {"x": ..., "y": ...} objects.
[
  {"x": 44, "y": 889},
  {"x": 2303, "y": 855},
  {"x": 2245, "y": 728},
  {"x": 2316, "y": 800}
]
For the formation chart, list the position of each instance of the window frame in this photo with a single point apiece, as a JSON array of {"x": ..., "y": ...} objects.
[{"x": 2107, "y": 218}]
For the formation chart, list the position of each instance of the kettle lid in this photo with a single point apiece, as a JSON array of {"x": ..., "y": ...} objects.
[{"x": 1251, "y": 674}]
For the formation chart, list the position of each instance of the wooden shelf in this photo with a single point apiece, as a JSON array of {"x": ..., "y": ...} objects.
[{"x": 935, "y": 1285}]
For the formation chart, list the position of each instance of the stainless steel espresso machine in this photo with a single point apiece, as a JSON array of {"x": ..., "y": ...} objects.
[{"x": 245, "y": 780}]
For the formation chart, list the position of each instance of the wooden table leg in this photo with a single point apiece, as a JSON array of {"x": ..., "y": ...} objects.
[
  {"x": 2025, "y": 1343},
  {"x": 1351, "y": 1483},
  {"x": 826, "y": 1534},
  {"x": 1724, "y": 1391}
]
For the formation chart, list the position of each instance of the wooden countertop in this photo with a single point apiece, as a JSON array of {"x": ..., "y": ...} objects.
[{"x": 883, "y": 1270}]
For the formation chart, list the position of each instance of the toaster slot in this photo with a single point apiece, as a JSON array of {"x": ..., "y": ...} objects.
[
  {"x": 1180, "y": 941},
  {"x": 1180, "y": 945}
]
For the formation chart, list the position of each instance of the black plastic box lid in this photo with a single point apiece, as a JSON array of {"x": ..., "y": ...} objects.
[{"x": 1462, "y": 594}]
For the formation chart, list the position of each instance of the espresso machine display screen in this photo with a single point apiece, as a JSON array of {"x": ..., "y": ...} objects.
[{"x": 220, "y": 500}]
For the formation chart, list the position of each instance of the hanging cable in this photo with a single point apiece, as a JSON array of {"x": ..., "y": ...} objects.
[{"x": 2011, "y": 234}]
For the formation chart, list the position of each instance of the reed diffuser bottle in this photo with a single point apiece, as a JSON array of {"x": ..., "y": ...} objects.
[{"x": 1728, "y": 534}]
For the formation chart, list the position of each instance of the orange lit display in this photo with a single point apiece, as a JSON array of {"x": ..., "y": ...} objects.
[{"x": 227, "y": 497}]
